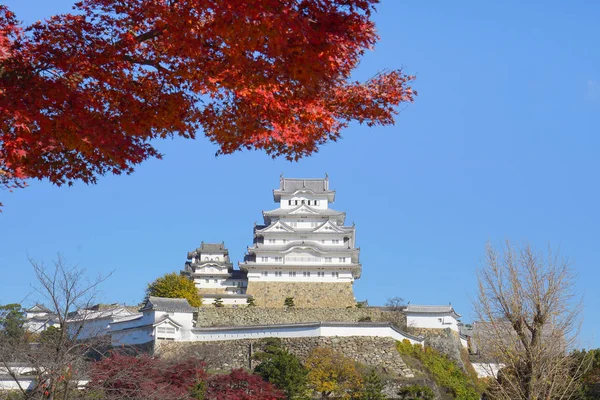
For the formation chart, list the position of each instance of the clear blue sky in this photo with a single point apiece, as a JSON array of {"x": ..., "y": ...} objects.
[{"x": 502, "y": 142}]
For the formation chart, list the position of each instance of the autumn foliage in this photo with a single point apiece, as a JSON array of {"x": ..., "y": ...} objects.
[
  {"x": 84, "y": 94},
  {"x": 121, "y": 376}
]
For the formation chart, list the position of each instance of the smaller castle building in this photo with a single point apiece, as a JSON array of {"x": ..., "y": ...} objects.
[{"x": 213, "y": 274}]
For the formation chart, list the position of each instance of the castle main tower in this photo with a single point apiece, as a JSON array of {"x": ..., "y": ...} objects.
[{"x": 303, "y": 250}]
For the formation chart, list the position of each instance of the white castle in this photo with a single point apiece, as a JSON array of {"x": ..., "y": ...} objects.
[{"x": 302, "y": 250}]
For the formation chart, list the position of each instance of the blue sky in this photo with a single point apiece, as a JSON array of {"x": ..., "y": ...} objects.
[{"x": 501, "y": 143}]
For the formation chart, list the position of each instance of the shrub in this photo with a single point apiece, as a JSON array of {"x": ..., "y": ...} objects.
[
  {"x": 289, "y": 302},
  {"x": 416, "y": 392},
  {"x": 218, "y": 302},
  {"x": 445, "y": 371}
]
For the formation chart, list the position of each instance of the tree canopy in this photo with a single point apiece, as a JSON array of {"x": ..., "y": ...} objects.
[
  {"x": 12, "y": 320},
  {"x": 332, "y": 373},
  {"x": 83, "y": 94},
  {"x": 175, "y": 286}
]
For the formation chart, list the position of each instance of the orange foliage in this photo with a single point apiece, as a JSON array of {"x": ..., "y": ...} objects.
[{"x": 83, "y": 94}]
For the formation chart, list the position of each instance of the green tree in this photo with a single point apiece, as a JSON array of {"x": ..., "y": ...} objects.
[
  {"x": 250, "y": 301},
  {"x": 218, "y": 302},
  {"x": 283, "y": 369},
  {"x": 372, "y": 387},
  {"x": 12, "y": 320},
  {"x": 289, "y": 302},
  {"x": 175, "y": 286}
]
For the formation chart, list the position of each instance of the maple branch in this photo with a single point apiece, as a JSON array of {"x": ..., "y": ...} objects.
[{"x": 151, "y": 63}]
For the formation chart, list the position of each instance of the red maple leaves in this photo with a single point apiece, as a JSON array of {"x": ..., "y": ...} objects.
[{"x": 83, "y": 95}]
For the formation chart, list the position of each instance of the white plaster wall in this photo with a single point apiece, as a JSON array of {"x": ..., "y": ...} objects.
[
  {"x": 464, "y": 343},
  {"x": 323, "y": 204},
  {"x": 487, "y": 370},
  {"x": 257, "y": 276},
  {"x": 297, "y": 332},
  {"x": 132, "y": 337},
  {"x": 212, "y": 257},
  {"x": 8, "y": 383},
  {"x": 226, "y": 301},
  {"x": 89, "y": 328},
  {"x": 431, "y": 321}
]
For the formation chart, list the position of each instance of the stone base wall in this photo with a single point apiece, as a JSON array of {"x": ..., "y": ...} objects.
[
  {"x": 225, "y": 355},
  {"x": 202, "y": 291},
  {"x": 446, "y": 341},
  {"x": 244, "y": 316},
  {"x": 305, "y": 294}
]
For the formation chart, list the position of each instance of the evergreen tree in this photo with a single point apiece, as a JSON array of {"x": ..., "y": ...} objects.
[
  {"x": 175, "y": 286},
  {"x": 250, "y": 302},
  {"x": 372, "y": 387},
  {"x": 12, "y": 321},
  {"x": 283, "y": 369}
]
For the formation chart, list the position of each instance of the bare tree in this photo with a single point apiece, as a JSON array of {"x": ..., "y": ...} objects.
[
  {"x": 529, "y": 321},
  {"x": 396, "y": 303},
  {"x": 58, "y": 359}
]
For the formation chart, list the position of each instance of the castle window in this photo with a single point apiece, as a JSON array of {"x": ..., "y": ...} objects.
[
  {"x": 207, "y": 280},
  {"x": 272, "y": 241},
  {"x": 265, "y": 273},
  {"x": 296, "y": 202},
  {"x": 292, "y": 273},
  {"x": 264, "y": 259},
  {"x": 321, "y": 274},
  {"x": 342, "y": 259},
  {"x": 216, "y": 281},
  {"x": 335, "y": 241},
  {"x": 293, "y": 224},
  {"x": 335, "y": 274},
  {"x": 278, "y": 259},
  {"x": 289, "y": 202},
  {"x": 277, "y": 273},
  {"x": 284, "y": 241},
  {"x": 306, "y": 274},
  {"x": 303, "y": 202},
  {"x": 316, "y": 202},
  {"x": 327, "y": 259}
]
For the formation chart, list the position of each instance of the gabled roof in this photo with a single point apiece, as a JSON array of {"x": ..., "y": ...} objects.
[
  {"x": 167, "y": 305},
  {"x": 309, "y": 210},
  {"x": 164, "y": 318},
  {"x": 274, "y": 227},
  {"x": 317, "y": 186},
  {"x": 423, "y": 309},
  {"x": 209, "y": 248},
  {"x": 38, "y": 308}
]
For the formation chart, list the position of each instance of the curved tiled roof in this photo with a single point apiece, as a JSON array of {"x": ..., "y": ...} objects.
[{"x": 167, "y": 305}]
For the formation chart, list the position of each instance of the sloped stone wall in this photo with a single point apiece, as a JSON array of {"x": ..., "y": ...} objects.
[
  {"x": 305, "y": 294},
  {"x": 245, "y": 316},
  {"x": 225, "y": 355}
]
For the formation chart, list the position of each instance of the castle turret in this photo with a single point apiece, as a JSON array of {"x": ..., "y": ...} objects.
[{"x": 213, "y": 274}]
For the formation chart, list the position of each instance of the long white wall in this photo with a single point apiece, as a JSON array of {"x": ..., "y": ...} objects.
[{"x": 298, "y": 331}]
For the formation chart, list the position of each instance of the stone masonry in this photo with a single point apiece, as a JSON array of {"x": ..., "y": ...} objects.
[
  {"x": 305, "y": 294},
  {"x": 245, "y": 316},
  {"x": 225, "y": 355}
]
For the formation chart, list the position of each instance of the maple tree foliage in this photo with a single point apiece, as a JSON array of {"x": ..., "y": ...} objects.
[
  {"x": 84, "y": 94},
  {"x": 241, "y": 385},
  {"x": 122, "y": 376}
]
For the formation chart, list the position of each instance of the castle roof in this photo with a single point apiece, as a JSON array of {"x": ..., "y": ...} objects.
[
  {"x": 210, "y": 248},
  {"x": 290, "y": 186},
  {"x": 425, "y": 309},
  {"x": 38, "y": 308},
  {"x": 167, "y": 305}
]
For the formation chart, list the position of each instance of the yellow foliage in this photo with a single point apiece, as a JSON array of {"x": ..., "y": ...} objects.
[
  {"x": 175, "y": 286},
  {"x": 330, "y": 373}
]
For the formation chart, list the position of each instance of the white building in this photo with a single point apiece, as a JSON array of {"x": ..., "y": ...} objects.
[
  {"x": 303, "y": 240},
  {"x": 213, "y": 274},
  {"x": 432, "y": 317},
  {"x": 94, "y": 321},
  {"x": 159, "y": 319},
  {"x": 39, "y": 318}
]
